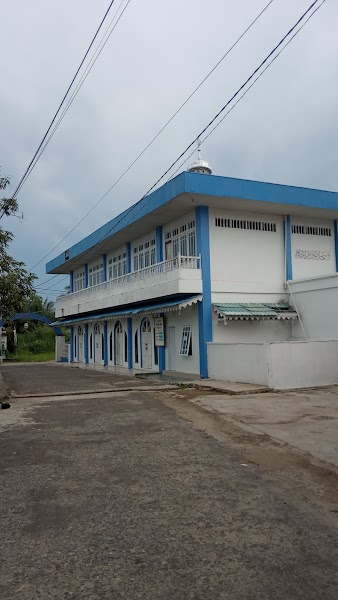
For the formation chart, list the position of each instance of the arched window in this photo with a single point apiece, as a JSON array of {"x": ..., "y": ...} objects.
[
  {"x": 80, "y": 330},
  {"x": 146, "y": 327},
  {"x": 118, "y": 327},
  {"x": 97, "y": 329}
]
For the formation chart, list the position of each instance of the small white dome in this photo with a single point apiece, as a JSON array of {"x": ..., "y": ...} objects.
[{"x": 200, "y": 166}]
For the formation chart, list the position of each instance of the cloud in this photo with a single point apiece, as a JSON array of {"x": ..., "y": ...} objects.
[{"x": 284, "y": 130}]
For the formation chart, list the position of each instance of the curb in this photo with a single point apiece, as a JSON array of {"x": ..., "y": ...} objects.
[{"x": 15, "y": 396}]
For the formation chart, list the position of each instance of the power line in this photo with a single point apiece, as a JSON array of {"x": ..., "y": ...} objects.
[
  {"x": 79, "y": 85},
  {"x": 63, "y": 99},
  {"x": 252, "y": 77},
  {"x": 155, "y": 137}
]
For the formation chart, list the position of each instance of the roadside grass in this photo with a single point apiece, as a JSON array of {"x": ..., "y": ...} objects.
[{"x": 29, "y": 357}]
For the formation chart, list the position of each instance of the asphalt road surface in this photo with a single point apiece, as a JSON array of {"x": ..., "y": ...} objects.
[{"x": 116, "y": 496}]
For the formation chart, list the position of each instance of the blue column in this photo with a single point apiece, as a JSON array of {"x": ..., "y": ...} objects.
[
  {"x": 159, "y": 244},
  {"x": 86, "y": 275},
  {"x": 104, "y": 259},
  {"x": 336, "y": 242},
  {"x": 105, "y": 334},
  {"x": 128, "y": 251},
  {"x": 71, "y": 343},
  {"x": 71, "y": 282},
  {"x": 130, "y": 343},
  {"x": 288, "y": 249},
  {"x": 204, "y": 307},
  {"x": 86, "y": 344}
]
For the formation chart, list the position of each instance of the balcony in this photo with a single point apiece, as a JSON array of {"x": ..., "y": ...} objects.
[{"x": 180, "y": 275}]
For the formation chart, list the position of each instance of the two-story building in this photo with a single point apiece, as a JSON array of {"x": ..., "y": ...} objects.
[{"x": 197, "y": 278}]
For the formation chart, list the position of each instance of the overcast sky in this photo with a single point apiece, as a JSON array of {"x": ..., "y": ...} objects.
[{"x": 285, "y": 130}]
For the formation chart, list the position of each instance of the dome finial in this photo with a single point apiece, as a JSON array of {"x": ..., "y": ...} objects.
[{"x": 200, "y": 165}]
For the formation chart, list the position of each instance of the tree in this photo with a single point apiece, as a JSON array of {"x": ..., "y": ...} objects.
[
  {"x": 36, "y": 304},
  {"x": 16, "y": 284}
]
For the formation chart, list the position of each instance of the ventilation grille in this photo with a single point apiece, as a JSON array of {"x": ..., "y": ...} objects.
[
  {"x": 305, "y": 230},
  {"x": 250, "y": 225}
]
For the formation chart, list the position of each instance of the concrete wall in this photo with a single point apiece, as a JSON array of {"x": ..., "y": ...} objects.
[
  {"x": 250, "y": 331},
  {"x": 185, "y": 318},
  {"x": 306, "y": 263},
  {"x": 316, "y": 300},
  {"x": 246, "y": 261},
  {"x": 281, "y": 365},
  {"x": 245, "y": 363}
]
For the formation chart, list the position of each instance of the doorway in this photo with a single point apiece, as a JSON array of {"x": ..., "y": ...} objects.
[
  {"x": 147, "y": 347},
  {"x": 119, "y": 343}
]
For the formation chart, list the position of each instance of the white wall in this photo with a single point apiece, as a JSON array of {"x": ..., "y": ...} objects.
[
  {"x": 250, "y": 331},
  {"x": 316, "y": 300},
  {"x": 188, "y": 316},
  {"x": 244, "y": 260},
  {"x": 282, "y": 365},
  {"x": 302, "y": 264},
  {"x": 245, "y": 363}
]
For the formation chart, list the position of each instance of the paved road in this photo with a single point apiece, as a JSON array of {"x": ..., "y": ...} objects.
[{"x": 115, "y": 496}]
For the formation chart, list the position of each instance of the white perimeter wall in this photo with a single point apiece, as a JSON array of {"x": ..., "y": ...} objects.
[
  {"x": 279, "y": 366},
  {"x": 245, "y": 261},
  {"x": 316, "y": 300}
]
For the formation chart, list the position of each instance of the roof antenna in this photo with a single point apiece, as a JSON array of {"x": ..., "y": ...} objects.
[{"x": 200, "y": 165}]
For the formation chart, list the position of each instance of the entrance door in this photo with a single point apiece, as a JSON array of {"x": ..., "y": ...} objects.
[
  {"x": 97, "y": 344},
  {"x": 147, "y": 347},
  {"x": 118, "y": 343},
  {"x": 171, "y": 349},
  {"x": 81, "y": 344}
]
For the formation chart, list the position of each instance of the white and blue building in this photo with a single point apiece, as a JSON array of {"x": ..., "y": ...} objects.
[{"x": 213, "y": 276}]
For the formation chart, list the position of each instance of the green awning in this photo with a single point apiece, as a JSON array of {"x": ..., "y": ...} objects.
[{"x": 234, "y": 311}]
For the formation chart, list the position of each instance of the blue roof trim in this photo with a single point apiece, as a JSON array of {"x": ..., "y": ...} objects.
[
  {"x": 127, "y": 311},
  {"x": 195, "y": 183}
]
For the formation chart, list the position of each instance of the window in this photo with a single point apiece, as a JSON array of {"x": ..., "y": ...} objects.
[
  {"x": 241, "y": 224},
  {"x": 95, "y": 274},
  {"x": 186, "y": 342},
  {"x": 136, "y": 347},
  {"x": 117, "y": 266},
  {"x": 305, "y": 230},
  {"x": 181, "y": 240},
  {"x": 144, "y": 255},
  {"x": 78, "y": 281}
]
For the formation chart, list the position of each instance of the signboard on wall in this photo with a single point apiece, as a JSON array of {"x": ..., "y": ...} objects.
[{"x": 159, "y": 331}]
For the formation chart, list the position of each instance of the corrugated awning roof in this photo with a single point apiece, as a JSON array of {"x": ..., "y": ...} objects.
[
  {"x": 137, "y": 310},
  {"x": 255, "y": 311}
]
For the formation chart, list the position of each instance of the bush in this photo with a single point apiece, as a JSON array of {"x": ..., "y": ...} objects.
[{"x": 40, "y": 340}]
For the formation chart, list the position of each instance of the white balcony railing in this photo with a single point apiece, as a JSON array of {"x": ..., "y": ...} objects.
[{"x": 180, "y": 262}]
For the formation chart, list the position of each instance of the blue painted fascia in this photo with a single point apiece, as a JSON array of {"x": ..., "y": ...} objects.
[
  {"x": 288, "y": 248},
  {"x": 130, "y": 342},
  {"x": 86, "y": 344},
  {"x": 128, "y": 252},
  {"x": 159, "y": 244},
  {"x": 204, "y": 307},
  {"x": 105, "y": 345},
  {"x": 336, "y": 242},
  {"x": 104, "y": 261},
  {"x": 197, "y": 184}
]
